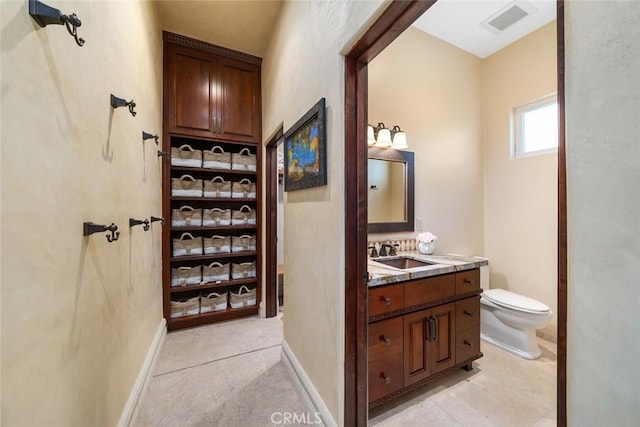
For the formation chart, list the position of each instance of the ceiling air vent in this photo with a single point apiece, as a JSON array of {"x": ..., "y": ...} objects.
[{"x": 507, "y": 16}]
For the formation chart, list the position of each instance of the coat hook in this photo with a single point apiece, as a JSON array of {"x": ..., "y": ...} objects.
[
  {"x": 119, "y": 102},
  {"x": 145, "y": 224},
  {"x": 88, "y": 228},
  {"x": 163, "y": 153},
  {"x": 146, "y": 136},
  {"x": 156, "y": 219},
  {"x": 45, "y": 15}
]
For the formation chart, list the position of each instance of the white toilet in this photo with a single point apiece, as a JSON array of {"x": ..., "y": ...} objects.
[{"x": 509, "y": 321}]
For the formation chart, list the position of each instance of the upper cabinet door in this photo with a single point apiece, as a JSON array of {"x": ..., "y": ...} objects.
[
  {"x": 238, "y": 101},
  {"x": 210, "y": 95},
  {"x": 189, "y": 101}
]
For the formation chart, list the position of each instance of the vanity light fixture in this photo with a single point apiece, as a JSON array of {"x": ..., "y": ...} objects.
[
  {"x": 381, "y": 136},
  {"x": 399, "y": 138}
]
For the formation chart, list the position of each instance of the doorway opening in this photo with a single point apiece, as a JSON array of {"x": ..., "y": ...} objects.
[
  {"x": 394, "y": 20},
  {"x": 274, "y": 277}
]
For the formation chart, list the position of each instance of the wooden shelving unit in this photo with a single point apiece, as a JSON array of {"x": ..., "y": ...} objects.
[{"x": 228, "y": 116}]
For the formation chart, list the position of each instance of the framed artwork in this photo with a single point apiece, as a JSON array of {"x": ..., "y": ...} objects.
[{"x": 305, "y": 151}]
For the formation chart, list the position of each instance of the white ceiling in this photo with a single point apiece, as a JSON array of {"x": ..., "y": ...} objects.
[{"x": 458, "y": 22}]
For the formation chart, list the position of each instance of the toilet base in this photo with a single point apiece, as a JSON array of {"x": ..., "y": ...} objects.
[
  {"x": 530, "y": 355},
  {"x": 521, "y": 342}
]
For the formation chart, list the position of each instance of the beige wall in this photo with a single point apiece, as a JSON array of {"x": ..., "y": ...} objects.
[
  {"x": 433, "y": 91},
  {"x": 78, "y": 314},
  {"x": 520, "y": 217},
  {"x": 603, "y": 196},
  {"x": 298, "y": 71}
]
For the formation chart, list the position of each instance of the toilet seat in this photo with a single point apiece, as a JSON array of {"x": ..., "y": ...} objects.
[{"x": 513, "y": 301}]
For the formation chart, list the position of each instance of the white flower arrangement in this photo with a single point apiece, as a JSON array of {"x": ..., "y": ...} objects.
[{"x": 426, "y": 237}]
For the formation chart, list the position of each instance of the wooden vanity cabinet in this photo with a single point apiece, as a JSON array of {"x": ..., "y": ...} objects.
[
  {"x": 211, "y": 91},
  {"x": 434, "y": 331},
  {"x": 429, "y": 342}
]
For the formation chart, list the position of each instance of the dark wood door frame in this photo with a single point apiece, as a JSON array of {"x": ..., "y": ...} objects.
[
  {"x": 394, "y": 20},
  {"x": 271, "y": 219}
]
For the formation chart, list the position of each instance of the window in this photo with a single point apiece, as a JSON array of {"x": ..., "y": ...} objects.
[{"x": 535, "y": 127}]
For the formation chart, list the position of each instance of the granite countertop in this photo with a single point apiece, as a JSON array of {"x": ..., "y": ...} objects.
[{"x": 381, "y": 274}]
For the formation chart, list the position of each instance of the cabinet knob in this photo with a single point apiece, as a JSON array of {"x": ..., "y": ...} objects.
[
  {"x": 467, "y": 343},
  {"x": 468, "y": 313},
  {"x": 387, "y": 340},
  {"x": 387, "y": 300},
  {"x": 386, "y": 379}
]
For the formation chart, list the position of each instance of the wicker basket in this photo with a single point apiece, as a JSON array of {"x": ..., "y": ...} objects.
[
  {"x": 186, "y": 156},
  {"x": 187, "y": 245},
  {"x": 243, "y": 270},
  {"x": 217, "y": 244},
  {"x": 243, "y": 216},
  {"x": 186, "y": 186},
  {"x": 243, "y": 161},
  {"x": 185, "y": 307},
  {"x": 243, "y": 243},
  {"x": 186, "y": 216},
  {"x": 244, "y": 298},
  {"x": 216, "y": 216},
  {"x": 217, "y": 187},
  {"x": 215, "y": 272},
  {"x": 213, "y": 302},
  {"x": 183, "y": 276},
  {"x": 243, "y": 189},
  {"x": 216, "y": 158}
]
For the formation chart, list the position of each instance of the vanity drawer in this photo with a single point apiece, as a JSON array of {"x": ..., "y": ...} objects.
[
  {"x": 385, "y": 299},
  {"x": 467, "y": 344},
  {"x": 467, "y": 281},
  {"x": 430, "y": 289},
  {"x": 467, "y": 313},
  {"x": 385, "y": 338},
  {"x": 385, "y": 376}
]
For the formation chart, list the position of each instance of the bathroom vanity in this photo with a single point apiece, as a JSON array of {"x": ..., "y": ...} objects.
[{"x": 424, "y": 320}]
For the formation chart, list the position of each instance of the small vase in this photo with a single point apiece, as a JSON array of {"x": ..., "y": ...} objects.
[{"x": 426, "y": 248}]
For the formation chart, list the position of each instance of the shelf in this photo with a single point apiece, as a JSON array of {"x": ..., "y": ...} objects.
[
  {"x": 207, "y": 170},
  {"x": 213, "y": 256},
  {"x": 211, "y": 199},
  {"x": 213, "y": 316},
  {"x": 213, "y": 228},
  {"x": 211, "y": 285}
]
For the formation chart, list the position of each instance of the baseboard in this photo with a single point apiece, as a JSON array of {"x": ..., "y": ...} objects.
[
  {"x": 305, "y": 386},
  {"x": 130, "y": 412}
]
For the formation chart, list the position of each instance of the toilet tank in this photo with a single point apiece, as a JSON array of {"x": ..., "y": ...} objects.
[{"x": 484, "y": 277}]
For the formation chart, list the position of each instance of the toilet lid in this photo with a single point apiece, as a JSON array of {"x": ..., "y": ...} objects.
[{"x": 515, "y": 301}]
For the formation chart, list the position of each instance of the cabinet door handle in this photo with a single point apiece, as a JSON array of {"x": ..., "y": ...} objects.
[
  {"x": 431, "y": 332},
  {"x": 437, "y": 328},
  {"x": 387, "y": 300},
  {"x": 468, "y": 281},
  {"x": 468, "y": 313},
  {"x": 386, "y": 340},
  {"x": 385, "y": 378},
  {"x": 467, "y": 343}
]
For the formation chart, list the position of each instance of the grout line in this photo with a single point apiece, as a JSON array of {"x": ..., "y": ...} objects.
[{"x": 217, "y": 360}]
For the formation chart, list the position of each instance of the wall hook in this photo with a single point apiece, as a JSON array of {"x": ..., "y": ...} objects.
[
  {"x": 145, "y": 224},
  {"x": 156, "y": 219},
  {"x": 163, "y": 153},
  {"x": 88, "y": 228},
  {"x": 146, "y": 136},
  {"x": 119, "y": 102},
  {"x": 45, "y": 15}
]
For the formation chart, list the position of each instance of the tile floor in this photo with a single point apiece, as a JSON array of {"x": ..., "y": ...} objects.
[{"x": 231, "y": 374}]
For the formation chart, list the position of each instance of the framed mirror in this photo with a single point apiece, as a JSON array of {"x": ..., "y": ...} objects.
[{"x": 390, "y": 190}]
